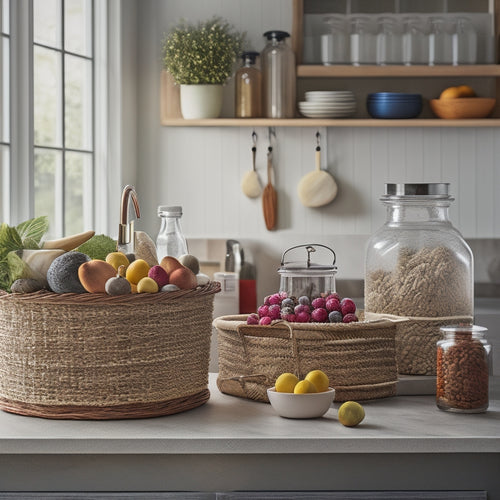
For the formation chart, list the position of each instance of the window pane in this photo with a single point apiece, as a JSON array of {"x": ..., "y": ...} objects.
[
  {"x": 47, "y": 97},
  {"x": 78, "y": 192},
  {"x": 47, "y": 16},
  {"x": 5, "y": 17},
  {"x": 48, "y": 182},
  {"x": 4, "y": 90},
  {"x": 4, "y": 183},
  {"x": 78, "y": 102},
  {"x": 77, "y": 26}
]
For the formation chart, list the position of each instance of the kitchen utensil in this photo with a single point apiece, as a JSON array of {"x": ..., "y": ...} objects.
[
  {"x": 462, "y": 107},
  {"x": 250, "y": 183},
  {"x": 269, "y": 196},
  {"x": 317, "y": 188},
  {"x": 311, "y": 405}
]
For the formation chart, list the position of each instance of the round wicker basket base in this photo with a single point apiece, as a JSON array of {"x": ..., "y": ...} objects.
[{"x": 122, "y": 411}]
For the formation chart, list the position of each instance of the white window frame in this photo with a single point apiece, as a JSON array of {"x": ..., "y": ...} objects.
[{"x": 107, "y": 109}]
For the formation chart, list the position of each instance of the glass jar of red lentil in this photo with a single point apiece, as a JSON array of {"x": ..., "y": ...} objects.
[{"x": 462, "y": 369}]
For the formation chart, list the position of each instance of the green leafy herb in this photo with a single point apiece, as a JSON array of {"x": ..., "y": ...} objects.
[
  {"x": 98, "y": 246},
  {"x": 204, "y": 53},
  {"x": 27, "y": 235}
]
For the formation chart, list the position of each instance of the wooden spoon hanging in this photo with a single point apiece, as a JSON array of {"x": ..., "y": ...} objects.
[
  {"x": 317, "y": 188},
  {"x": 269, "y": 196}
]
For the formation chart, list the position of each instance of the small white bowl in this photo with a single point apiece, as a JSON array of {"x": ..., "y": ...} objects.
[{"x": 310, "y": 405}]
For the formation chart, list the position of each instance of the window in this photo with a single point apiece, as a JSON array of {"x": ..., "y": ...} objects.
[{"x": 54, "y": 145}]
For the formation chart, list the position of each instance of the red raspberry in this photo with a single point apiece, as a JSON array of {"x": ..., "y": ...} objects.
[
  {"x": 275, "y": 311},
  {"x": 291, "y": 318},
  {"x": 318, "y": 302},
  {"x": 319, "y": 315},
  {"x": 334, "y": 295},
  {"x": 266, "y": 320},
  {"x": 275, "y": 299},
  {"x": 347, "y": 306},
  {"x": 253, "y": 319},
  {"x": 302, "y": 308},
  {"x": 303, "y": 317},
  {"x": 263, "y": 311},
  {"x": 349, "y": 318},
  {"x": 332, "y": 305}
]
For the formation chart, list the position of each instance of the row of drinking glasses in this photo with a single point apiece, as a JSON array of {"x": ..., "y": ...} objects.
[{"x": 388, "y": 40}]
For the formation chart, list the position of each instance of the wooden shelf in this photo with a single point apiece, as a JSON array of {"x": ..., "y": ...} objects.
[
  {"x": 347, "y": 71},
  {"x": 344, "y": 122}
]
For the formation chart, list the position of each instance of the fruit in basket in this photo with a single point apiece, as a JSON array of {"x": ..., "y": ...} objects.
[
  {"x": 62, "y": 275},
  {"x": 117, "y": 259},
  {"x": 159, "y": 275},
  {"x": 118, "y": 285},
  {"x": 303, "y": 310},
  {"x": 191, "y": 262},
  {"x": 351, "y": 414},
  {"x": 94, "y": 274},
  {"x": 170, "y": 264},
  {"x": 183, "y": 277},
  {"x": 286, "y": 382},
  {"x": 137, "y": 270},
  {"x": 304, "y": 387},
  {"x": 319, "y": 379},
  {"x": 147, "y": 285}
]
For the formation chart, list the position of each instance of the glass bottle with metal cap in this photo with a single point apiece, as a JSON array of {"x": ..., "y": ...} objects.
[
  {"x": 170, "y": 240},
  {"x": 417, "y": 263}
]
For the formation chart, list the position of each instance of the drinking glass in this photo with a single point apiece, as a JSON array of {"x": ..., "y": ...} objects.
[
  {"x": 464, "y": 41},
  {"x": 362, "y": 41},
  {"x": 415, "y": 49},
  {"x": 334, "y": 42},
  {"x": 389, "y": 38},
  {"x": 440, "y": 42}
]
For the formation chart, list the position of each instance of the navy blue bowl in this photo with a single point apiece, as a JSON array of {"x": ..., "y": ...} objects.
[
  {"x": 394, "y": 110},
  {"x": 394, "y": 96}
]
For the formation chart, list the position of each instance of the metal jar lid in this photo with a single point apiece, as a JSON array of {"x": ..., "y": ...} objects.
[
  {"x": 435, "y": 190},
  {"x": 307, "y": 268}
]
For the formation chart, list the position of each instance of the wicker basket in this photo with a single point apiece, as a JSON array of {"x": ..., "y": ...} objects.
[
  {"x": 359, "y": 358},
  {"x": 93, "y": 356},
  {"x": 416, "y": 340}
]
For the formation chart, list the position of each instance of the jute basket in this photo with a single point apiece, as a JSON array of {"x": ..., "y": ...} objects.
[
  {"x": 93, "y": 356},
  {"x": 416, "y": 339},
  {"x": 359, "y": 358}
]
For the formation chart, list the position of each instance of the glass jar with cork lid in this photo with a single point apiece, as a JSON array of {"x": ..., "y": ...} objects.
[{"x": 419, "y": 267}]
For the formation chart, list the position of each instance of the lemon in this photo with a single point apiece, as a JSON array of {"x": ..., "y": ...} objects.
[
  {"x": 286, "y": 382},
  {"x": 117, "y": 259},
  {"x": 147, "y": 285},
  {"x": 137, "y": 270},
  {"x": 304, "y": 387},
  {"x": 466, "y": 91},
  {"x": 351, "y": 413},
  {"x": 450, "y": 93},
  {"x": 319, "y": 379}
]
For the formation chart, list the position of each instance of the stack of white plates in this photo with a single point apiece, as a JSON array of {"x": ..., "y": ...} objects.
[{"x": 328, "y": 104}]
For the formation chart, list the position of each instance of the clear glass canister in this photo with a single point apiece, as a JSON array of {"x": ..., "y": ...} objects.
[
  {"x": 278, "y": 76},
  {"x": 170, "y": 240},
  {"x": 248, "y": 82},
  {"x": 305, "y": 278},
  {"x": 417, "y": 263},
  {"x": 463, "y": 369}
]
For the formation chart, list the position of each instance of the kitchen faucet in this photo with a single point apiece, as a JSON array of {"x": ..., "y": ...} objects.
[{"x": 126, "y": 227}]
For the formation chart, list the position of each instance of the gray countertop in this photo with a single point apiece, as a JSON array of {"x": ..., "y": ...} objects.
[{"x": 227, "y": 425}]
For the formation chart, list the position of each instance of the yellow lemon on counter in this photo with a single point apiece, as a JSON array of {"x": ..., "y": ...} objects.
[
  {"x": 304, "y": 387},
  {"x": 286, "y": 382},
  {"x": 319, "y": 379},
  {"x": 147, "y": 285},
  {"x": 117, "y": 259},
  {"x": 137, "y": 270},
  {"x": 351, "y": 414}
]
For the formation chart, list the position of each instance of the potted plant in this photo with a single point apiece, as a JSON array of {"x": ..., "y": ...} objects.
[{"x": 201, "y": 57}]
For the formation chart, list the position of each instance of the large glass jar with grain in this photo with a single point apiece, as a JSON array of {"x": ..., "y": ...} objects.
[{"x": 419, "y": 268}]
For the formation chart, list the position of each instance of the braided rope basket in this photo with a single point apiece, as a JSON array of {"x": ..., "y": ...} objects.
[
  {"x": 93, "y": 356},
  {"x": 359, "y": 358}
]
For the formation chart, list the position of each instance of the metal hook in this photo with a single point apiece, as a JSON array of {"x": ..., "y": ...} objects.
[
  {"x": 271, "y": 133},
  {"x": 318, "y": 138},
  {"x": 254, "y": 140}
]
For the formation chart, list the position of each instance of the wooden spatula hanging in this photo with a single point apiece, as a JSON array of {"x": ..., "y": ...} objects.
[
  {"x": 269, "y": 195},
  {"x": 317, "y": 188}
]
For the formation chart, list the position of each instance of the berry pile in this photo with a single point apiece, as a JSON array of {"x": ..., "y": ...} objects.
[{"x": 329, "y": 308}]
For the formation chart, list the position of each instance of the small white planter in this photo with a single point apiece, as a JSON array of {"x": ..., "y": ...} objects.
[{"x": 201, "y": 101}]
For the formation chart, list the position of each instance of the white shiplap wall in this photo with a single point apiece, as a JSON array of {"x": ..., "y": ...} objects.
[{"x": 201, "y": 168}]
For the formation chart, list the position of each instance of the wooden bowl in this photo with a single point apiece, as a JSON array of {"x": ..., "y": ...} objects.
[{"x": 462, "y": 108}]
